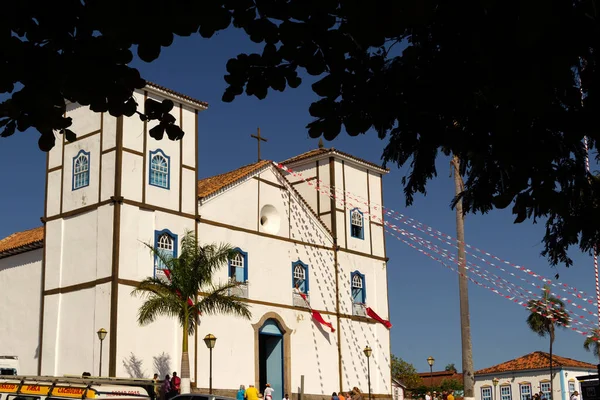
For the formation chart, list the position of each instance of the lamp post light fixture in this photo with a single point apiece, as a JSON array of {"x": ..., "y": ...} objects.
[
  {"x": 101, "y": 335},
  {"x": 368, "y": 351},
  {"x": 430, "y": 361},
  {"x": 210, "y": 341},
  {"x": 495, "y": 382}
]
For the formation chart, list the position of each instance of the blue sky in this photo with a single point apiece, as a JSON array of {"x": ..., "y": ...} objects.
[{"x": 423, "y": 294}]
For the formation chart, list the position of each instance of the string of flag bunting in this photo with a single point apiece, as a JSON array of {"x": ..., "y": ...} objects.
[
  {"x": 348, "y": 199},
  {"x": 339, "y": 195},
  {"x": 553, "y": 308}
]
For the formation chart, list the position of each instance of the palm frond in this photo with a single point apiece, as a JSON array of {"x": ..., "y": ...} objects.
[
  {"x": 156, "y": 306},
  {"x": 165, "y": 258},
  {"x": 218, "y": 301},
  {"x": 153, "y": 286}
]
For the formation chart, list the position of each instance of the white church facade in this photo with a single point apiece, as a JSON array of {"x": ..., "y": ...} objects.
[{"x": 317, "y": 230}]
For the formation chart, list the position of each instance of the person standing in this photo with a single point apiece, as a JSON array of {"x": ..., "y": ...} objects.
[
  {"x": 241, "y": 394},
  {"x": 269, "y": 392},
  {"x": 575, "y": 395},
  {"x": 451, "y": 395},
  {"x": 166, "y": 388},
  {"x": 153, "y": 392},
  {"x": 286, "y": 397},
  {"x": 341, "y": 396},
  {"x": 251, "y": 393},
  {"x": 175, "y": 384}
]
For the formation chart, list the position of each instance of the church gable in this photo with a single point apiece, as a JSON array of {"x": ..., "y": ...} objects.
[{"x": 258, "y": 197}]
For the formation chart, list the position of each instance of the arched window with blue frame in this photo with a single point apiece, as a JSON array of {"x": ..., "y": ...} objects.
[
  {"x": 165, "y": 243},
  {"x": 238, "y": 266},
  {"x": 357, "y": 229},
  {"x": 81, "y": 170},
  {"x": 160, "y": 168},
  {"x": 300, "y": 276},
  {"x": 359, "y": 288}
]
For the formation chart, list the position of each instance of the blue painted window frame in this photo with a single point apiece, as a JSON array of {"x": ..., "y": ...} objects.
[
  {"x": 361, "y": 233},
  {"x": 152, "y": 181},
  {"x": 306, "y": 280},
  {"x": 85, "y": 174},
  {"x": 231, "y": 268},
  {"x": 505, "y": 396},
  {"x": 572, "y": 387},
  {"x": 525, "y": 394},
  {"x": 363, "y": 289},
  {"x": 157, "y": 235},
  {"x": 486, "y": 393},
  {"x": 266, "y": 328},
  {"x": 545, "y": 393}
]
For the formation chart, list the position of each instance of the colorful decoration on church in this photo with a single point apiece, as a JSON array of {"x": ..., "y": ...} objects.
[
  {"x": 516, "y": 293},
  {"x": 315, "y": 314},
  {"x": 377, "y": 318}
]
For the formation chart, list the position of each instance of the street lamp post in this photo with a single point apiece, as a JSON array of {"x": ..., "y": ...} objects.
[
  {"x": 495, "y": 382},
  {"x": 210, "y": 341},
  {"x": 430, "y": 361},
  {"x": 101, "y": 335},
  {"x": 368, "y": 351}
]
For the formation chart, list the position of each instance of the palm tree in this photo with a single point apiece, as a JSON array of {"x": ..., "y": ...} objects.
[
  {"x": 591, "y": 343},
  {"x": 189, "y": 275},
  {"x": 546, "y": 314}
]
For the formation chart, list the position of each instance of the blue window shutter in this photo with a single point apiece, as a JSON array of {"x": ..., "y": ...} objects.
[
  {"x": 357, "y": 230},
  {"x": 239, "y": 273},
  {"x": 359, "y": 295},
  {"x": 81, "y": 170},
  {"x": 303, "y": 285},
  {"x": 159, "y": 169},
  {"x": 173, "y": 253}
]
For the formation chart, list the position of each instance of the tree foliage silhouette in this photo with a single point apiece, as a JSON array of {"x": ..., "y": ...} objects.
[{"x": 509, "y": 87}]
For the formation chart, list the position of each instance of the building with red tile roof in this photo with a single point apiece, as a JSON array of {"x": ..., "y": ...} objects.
[{"x": 521, "y": 377}]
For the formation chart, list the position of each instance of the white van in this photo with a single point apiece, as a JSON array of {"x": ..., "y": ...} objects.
[
  {"x": 47, "y": 388},
  {"x": 9, "y": 365}
]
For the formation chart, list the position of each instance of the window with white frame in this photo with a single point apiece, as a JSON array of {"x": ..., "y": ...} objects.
[
  {"x": 357, "y": 224},
  {"x": 300, "y": 276},
  {"x": 165, "y": 243},
  {"x": 486, "y": 393},
  {"x": 525, "y": 389},
  {"x": 159, "y": 169},
  {"x": 238, "y": 266},
  {"x": 358, "y": 288},
  {"x": 571, "y": 387},
  {"x": 545, "y": 389},
  {"x": 505, "y": 393},
  {"x": 81, "y": 170}
]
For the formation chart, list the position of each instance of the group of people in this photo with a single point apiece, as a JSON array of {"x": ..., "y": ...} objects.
[
  {"x": 170, "y": 387},
  {"x": 354, "y": 394},
  {"x": 252, "y": 393},
  {"x": 445, "y": 395}
]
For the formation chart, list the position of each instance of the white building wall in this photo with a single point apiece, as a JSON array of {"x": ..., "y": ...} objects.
[
  {"x": 20, "y": 309},
  {"x": 147, "y": 342},
  {"x": 82, "y": 314}
]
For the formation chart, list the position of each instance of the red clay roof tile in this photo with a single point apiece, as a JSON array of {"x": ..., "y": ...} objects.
[
  {"x": 323, "y": 151},
  {"x": 535, "y": 360},
  {"x": 32, "y": 238},
  {"x": 213, "y": 184}
]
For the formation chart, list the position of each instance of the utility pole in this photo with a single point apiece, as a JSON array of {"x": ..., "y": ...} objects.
[{"x": 463, "y": 289}]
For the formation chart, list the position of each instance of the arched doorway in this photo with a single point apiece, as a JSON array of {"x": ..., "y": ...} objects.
[{"x": 271, "y": 357}]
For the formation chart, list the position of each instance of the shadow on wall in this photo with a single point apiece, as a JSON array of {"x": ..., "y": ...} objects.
[
  {"x": 134, "y": 366},
  {"x": 355, "y": 366}
]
